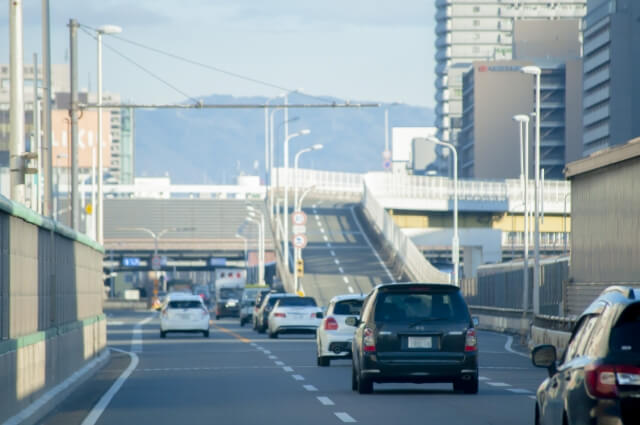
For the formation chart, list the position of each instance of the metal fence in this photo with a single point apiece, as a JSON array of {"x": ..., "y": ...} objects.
[{"x": 501, "y": 286}]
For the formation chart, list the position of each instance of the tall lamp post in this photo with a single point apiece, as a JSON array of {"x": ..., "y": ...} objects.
[
  {"x": 238, "y": 235},
  {"x": 455, "y": 241},
  {"x": 258, "y": 219},
  {"x": 105, "y": 29},
  {"x": 536, "y": 71},
  {"x": 296, "y": 159},
  {"x": 268, "y": 141},
  {"x": 523, "y": 123},
  {"x": 286, "y": 191}
]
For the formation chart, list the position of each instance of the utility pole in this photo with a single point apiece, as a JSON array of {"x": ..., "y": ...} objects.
[
  {"x": 37, "y": 146},
  {"x": 73, "y": 112},
  {"x": 16, "y": 126},
  {"x": 47, "y": 152}
]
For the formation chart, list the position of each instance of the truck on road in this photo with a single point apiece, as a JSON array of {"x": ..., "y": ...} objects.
[{"x": 229, "y": 284}]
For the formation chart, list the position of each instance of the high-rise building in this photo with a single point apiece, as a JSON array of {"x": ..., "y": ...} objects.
[
  {"x": 472, "y": 30},
  {"x": 494, "y": 91},
  {"x": 611, "y": 96}
]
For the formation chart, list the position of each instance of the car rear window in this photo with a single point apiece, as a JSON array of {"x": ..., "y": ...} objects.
[
  {"x": 416, "y": 306},
  {"x": 297, "y": 302},
  {"x": 226, "y": 293},
  {"x": 624, "y": 335},
  {"x": 348, "y": 307},
  {"x": 185, "y": 304}
]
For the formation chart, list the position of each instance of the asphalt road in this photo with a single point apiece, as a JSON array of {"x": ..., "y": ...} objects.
[
  {"x": 237, "y": 376},
  {"x": 338, "y": 258}
]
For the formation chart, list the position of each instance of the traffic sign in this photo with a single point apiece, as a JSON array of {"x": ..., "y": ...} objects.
[
  {"x": 299, "y": 229},
  {"x": 386, "y": 154},
  {"x": 156, "y": 262},
  {"x": 299, "y": 241},
  {"x": 298, "y": 217},
  {"x": 386, "y": 164}
]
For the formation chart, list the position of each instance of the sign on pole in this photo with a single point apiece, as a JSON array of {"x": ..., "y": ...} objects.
[
  {"x": 156, "y": 262},
  {"x": 299, "y": 241},
  {"x": 386, "y": 164},
  {"x": 299, "y": 229},
  {"x": 299, "y": 218}
]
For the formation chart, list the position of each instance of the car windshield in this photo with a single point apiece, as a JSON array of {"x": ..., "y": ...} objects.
[
  {"x": 297, "y": 302},
  {"x": 185, "y": 304},
  {"x": 226, "y": 293},
  {"x": 348, "y": 307},
  {"x": 625, "y": 334},
  {"x": 418, "y": 307}
]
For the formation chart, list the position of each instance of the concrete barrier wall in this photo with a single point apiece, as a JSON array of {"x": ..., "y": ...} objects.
[{"x": 51, "y": 321}]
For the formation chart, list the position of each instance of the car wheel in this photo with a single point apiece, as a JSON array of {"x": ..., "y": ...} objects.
[
  {"x": 365, "y": 385},
  {"x": 205, "y": 333},
  {"x": 354, "y": 380},
  {"x": 163, "y": 334},
  {"x": 324, "y": 361},
  {"x": 241, "y": 323},
  {"x": 261, "y": 330},
  {"x": 273, "y": 335},
  {"x": 217, "y": 317},
  {"x": 467, "y": 387}
]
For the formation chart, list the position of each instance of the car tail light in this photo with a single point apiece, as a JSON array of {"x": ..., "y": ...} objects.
[
  {"x": 278, "y": 314},
  {"x": 201, "y": 296},
  {"x": 369, "y": 340},
  {"x": 602, "y": 380},
  {"x": 330, "y": 324},
  {"x": 471, "y": 341}
]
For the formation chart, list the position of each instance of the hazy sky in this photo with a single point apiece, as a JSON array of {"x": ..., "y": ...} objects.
[{"x": 354, "y": 49}]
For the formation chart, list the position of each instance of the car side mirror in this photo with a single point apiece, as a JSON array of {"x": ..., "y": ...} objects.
[
  {"x": 545, "y": 356},
  {"x": 352, "y": 321},
  {"x": 475, "y": 320}
]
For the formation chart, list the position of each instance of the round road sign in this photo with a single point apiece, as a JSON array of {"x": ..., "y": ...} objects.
[
  {"x": 299, "y": 241},
  {"x": 156, "y": 262},
  {"x": 386, "y": 164},
  {"x": 299, "y": 218}
]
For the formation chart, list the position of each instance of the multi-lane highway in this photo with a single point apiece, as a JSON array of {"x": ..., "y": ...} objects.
[
  {"x": 339, "y": 258},
  {"x": 237, "y": 376}
]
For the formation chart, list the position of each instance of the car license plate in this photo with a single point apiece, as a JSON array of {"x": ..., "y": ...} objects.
[{"x": 419, "y": 342}]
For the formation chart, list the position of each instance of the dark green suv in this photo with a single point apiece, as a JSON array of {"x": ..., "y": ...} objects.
[{"x": 414, "y": 332}]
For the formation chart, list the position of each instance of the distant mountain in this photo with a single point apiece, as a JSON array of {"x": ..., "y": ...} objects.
[{"x": 216, "y": 145}]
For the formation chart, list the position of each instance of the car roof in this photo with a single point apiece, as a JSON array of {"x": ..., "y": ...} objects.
[
  {"x": 613, "y": 295},
  {"x": 280, "y": 295},
  {"x": 345, "y": 297},
  {"x": 400, "y": 285},
  {"x": 183, "y": 296}
]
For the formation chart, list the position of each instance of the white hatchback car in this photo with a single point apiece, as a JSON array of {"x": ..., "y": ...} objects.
[
  {"x": 184, "y": 313},
  {"x": 333, "y": 339},
  {"x": 294, "y": 315}
]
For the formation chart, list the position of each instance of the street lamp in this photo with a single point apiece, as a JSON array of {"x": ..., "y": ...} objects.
[
  {"x": 105, "y": 29},
  {"x": 258, "y": 219},
  {"x": 455, "y": 241},
  {"x": 296, "y": 159},
  {"x": 536, "y": 71},
  {"x": 523, "y": 124},
  {"x": 238, "y": 235},
  {"x": 268, "y": 139},
  {"x": 286, "y": 192}
]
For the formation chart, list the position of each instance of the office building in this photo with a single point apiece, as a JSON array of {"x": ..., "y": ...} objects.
[
  {"x": 472, "y": 30},
  {"x": 494, "y": 91},
  {"x": 611, "y": 83}
]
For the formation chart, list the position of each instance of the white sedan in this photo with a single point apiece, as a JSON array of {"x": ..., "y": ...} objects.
[
  {"x": 294, "y": 315},
  {"x": 334, "y": 336},
  {"x": 184, "y": 313}
]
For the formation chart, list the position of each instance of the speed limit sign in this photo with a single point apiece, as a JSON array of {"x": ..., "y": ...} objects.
[{"x": 299, "y": 241}]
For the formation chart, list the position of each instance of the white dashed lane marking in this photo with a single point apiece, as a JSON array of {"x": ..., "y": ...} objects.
[
  {"x": 350, "y": 289},
  {"x": 333, "y": 253},
  {"x": 325, "y": 401},
  {"x": 298, "y": 377},
  {"x": 344, "y": 417},
  {"x": 518, "y": 390},
  {"x": 498, "y": 384},
  {"x": 335, "y": 260},
  {"x": 346, "y": 279},
  {"x": 326, "y": 239},
  {"x": 279, "y": 363},
  {"x": 287, "y": 369},
  {"x": 272, "y": 357},
  {"x": 482, "y": 378},
  {"x": 341, "y": 270}
]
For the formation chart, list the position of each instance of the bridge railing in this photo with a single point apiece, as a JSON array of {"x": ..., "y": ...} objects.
[
  {"x": 416, "y": 265},
  {"x": 328, "y": 183}
]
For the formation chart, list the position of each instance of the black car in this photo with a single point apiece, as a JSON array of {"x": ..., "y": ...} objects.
[
  {"x": 414, "y": 332},
  {"x": 262, "y": 319},
  {"x": 597, "y": 381}
]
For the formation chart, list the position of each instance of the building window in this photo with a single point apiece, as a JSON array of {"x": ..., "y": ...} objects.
[
  {"x": 476, "y": 22},
  {"x": 476, "y": 9}
]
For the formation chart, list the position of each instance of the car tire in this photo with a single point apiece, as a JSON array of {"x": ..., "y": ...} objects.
[
  {"x": 205, "y": 333},
  {"x": 354, "y": 380},
  {"x": 217, "y": 317},
  {"x": 323, "y": 361},
  {"x": 365, "y": 385},
  {"x": 163, "y": 334},
  {"x": 241, "y": 323},
  {"x": 273, "y": 335},
  {"x": 467, "y": 387}
]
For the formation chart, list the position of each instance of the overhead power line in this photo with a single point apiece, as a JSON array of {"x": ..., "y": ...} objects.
[
  {"x": 207, "y": 66},
  {"x": 201, "y": 105}
]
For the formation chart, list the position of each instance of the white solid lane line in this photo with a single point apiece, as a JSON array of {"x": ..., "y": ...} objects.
[
  {"x": 384, "y": 266},
  {"x": 114, "y": 323},
  {"x": 507, "y": 346},
  {"x": 136, "y": 338},
  {"x": 104, "y": 401},
  {"x": 344, "y": 417},
  {"x": 298, "y": 377},
  {"x": 325, "y": 400},
  {"x": 498, "y": 384}
]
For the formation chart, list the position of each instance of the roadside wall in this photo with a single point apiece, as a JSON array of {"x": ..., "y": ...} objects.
[{"x": 51, "y": 320}]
